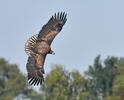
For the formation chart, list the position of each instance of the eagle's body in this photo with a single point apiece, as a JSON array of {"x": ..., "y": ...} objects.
[{"x": 38, "y": 46}]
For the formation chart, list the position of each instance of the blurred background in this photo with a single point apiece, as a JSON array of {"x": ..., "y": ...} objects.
[{"x": 93, "y": 28}]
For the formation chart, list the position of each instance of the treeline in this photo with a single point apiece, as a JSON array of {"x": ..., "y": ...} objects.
[{"x": 104, "y": 80}]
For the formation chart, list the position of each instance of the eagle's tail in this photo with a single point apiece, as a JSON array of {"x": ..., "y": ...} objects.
[{"x": 29, "y": 44}]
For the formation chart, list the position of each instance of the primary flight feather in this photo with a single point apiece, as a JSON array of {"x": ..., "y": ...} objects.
[{"x": 38, "y": 46}]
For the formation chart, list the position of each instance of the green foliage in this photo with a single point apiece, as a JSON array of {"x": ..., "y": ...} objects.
[
  {"x": 104, "y": 80},
  {"x": 101, "y": 77},
  {"x": 63, "y": 85},
  {"x": 118, "y": 88},
  {"x": 12, "y": 81},
  {"x": 118, "y": 84}
]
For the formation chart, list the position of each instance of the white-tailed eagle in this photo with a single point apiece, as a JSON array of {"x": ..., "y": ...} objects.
[{"x": 38, "y": 46}]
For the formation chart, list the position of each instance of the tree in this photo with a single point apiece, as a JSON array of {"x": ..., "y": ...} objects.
[
  {"x": 59, "y": 84},
  {"x": 118, "y": 87},
  {"x": 101, "y": 77},
  {"x": 102, "y": 81},
  {"x": 12, "y": 82},
  {"x": 63, "y": 85},
  {"x": 110, "y": 72}
]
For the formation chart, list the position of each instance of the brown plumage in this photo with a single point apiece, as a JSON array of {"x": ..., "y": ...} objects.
[{"x": 38, "y": 46}]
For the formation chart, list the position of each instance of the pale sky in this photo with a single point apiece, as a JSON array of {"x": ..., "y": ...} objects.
[{"x": 93, "y": 27}]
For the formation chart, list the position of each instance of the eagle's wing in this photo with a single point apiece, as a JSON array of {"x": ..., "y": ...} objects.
[
  {"x": 35, "y": 69},
  {"x": 53, "y": 27}
]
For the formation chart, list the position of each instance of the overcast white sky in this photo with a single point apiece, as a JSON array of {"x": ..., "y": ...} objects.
[{"x": 93, "y": 27}]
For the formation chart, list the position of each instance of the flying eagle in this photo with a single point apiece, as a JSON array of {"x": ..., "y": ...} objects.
[{"x": 38, "y": 46}]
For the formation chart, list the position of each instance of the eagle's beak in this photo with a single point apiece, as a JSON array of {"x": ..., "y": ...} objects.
[{"x": 53, "y": 53}]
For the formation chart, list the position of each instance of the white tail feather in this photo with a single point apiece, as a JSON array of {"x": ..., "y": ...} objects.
[{"x": 30, "y": 42}]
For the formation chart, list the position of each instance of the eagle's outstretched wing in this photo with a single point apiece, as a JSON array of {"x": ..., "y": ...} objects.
[
  {"x": 35, "y": 69},
  {"x": 53, "y": 27}
]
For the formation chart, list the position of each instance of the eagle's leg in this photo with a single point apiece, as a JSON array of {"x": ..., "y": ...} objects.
[{"x": 51, "y": 52}]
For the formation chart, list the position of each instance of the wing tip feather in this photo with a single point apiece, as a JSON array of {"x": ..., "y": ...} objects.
[
  {"x": 60, "y": 16},
  {"x": 35, "y": 80}
]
